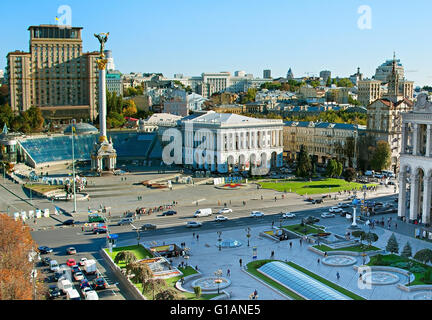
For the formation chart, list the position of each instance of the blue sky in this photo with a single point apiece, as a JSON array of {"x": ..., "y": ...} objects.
[{"x": 192, "y": 36}]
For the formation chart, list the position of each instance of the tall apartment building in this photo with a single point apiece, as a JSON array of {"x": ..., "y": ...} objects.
[
  {"x": 214, "y": 82},
  {"x": 385, "y": 69},
  {"x": 114, "y": 82},
  {"x": 325, "y": 74},
  {"x": 267, "y": 74},
  {"x": 368, "y": 91},
  {"x": 55, "y": 75}
]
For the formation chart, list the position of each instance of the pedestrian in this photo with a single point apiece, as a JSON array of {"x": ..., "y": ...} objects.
[
  {"x": 360, "y": 276},
  {"x": 196, "y": 268},
  {"x": 290, "y": 244},
  {"x": 275, "y": 199},
  {"x": 228, "y": 273},
  {"x": 193, "y": 235},
  {"x": 197, "y": 237},
  {"x": 82, "y": 228},
  {"x": 395, "y": 225},
  {"x": 272, "y": 254},
  {"x": 337, "y": 275},
  {"x": 262, "y": 197},
  {"x": 272, "y": 224},
  {"x": 301, "y": 241},
  {"x": 318, "y": 261},
  {"x": 240, "y": 261}
]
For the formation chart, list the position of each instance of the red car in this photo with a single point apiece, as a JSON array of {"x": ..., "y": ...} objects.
[{"x": 70, "y": 262}]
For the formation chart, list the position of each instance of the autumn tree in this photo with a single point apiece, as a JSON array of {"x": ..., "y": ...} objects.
[
  {"x": 16, "y": 246},
  {"x": 169, "y": 294}
]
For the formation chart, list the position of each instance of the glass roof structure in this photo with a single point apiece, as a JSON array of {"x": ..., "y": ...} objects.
[{"x": 299, "y": 282}]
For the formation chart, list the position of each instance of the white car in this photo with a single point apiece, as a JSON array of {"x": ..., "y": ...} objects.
[
  {"x": 327, "y": 215},
  {"x": 78, "y": 276},
  {"x": 90, "y": 294},
  {"x": 225, "y": 211},
  {"x": 335, "y": 210},
  {"x": 256, "y": 214},
  {"x": 221, "y": 218},
  {"x": 82, "y": 261},
  {"x": 288, "y": 215},
  {"x": 193, "y": 224}
]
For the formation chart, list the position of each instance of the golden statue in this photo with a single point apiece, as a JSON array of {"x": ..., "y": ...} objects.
[{"x": 103, "y": 38}]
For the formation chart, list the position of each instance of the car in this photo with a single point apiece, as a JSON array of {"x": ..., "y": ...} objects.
[
  {"x": 148, "y": 226},
  {"x": 125, "y": 221},
  {"x": 78, "y": 276},
  {"x": 71, "y": 250},
  {"x": 54, "y": 292},
  {"x": 327, "y": 215},
  {"x": 256, "y": 214},
  {"x": 46, "y": 261},
  {"x": 45, "y": 249},
  {"x": 315, "y": 201},
  {"x": 56, "y": 276},
  {"x": 344, "y": 213},
  {"x": 69, "y": 222},
  {"x": 309, "y": 199},
  {"x": 82, "y": 261},
  {"x": 169, "y": 213},
  {"x": 84, "y": 283},
  {"x": 335, "y": 210},
  {"x": 90, "y": 294},
  {"x": 396, "y": 200},
  {"x": 225, "y": 211},
  {"x": 75, "y": 268},
  {"x": 221, "y": 218},
  {"x": 99, "y": 230},
  {"x": 378, "y": 204},
  {"x": 100, "y": 283},
  {"x": 288, "y": 215},
  {"x": 193, "y": 224},
  {"x": 70, "y": 262},
  {"x": 311, "y": 219},
  {"x": 343, "y": 205}
]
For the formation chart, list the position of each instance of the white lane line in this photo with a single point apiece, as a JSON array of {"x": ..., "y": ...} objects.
[{"x": 195, "y": 201}]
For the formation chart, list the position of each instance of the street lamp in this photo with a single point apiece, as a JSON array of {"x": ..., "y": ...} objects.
[
  {"x": 73, "y": 165},
  {"x": 248, "y": 235},
  {"x": 218, "y": 274},
  {"x": 219, "y": 233}
]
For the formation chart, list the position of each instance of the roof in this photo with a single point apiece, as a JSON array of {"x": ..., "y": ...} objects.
[
  {"x": 226, "y": 118},
  {"x": 81, "y": 128},
  {"x": 324, "y": 125}
]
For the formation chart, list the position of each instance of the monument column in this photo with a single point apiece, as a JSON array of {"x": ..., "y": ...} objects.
[
  {"x": 102, "y": 100},
  {"x": 414, "y": 196},
  {"x": 402, "y": 195},
  {"x": 415, "y": 140}
]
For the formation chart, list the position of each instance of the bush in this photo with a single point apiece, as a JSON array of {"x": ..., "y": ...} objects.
[
  {"x": 402, "y": 265},
  {"x": 197, "y": 291},
  {"x": 419, "y": 269}
]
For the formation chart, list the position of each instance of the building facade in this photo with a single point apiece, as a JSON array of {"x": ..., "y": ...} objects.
[
  {"x": 55, "y": 75},
  {"x": 368, "y": 91},
  {"x": 415, "y": 177},
  {"x": 114, "y": 82}
]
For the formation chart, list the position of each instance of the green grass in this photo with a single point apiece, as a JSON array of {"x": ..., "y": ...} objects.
[
  {"x": 358, "y": 248},
  {"x": 313, "y": 187},
  {"x": 389, "y": 259},
  {"x": 139, "y": 251},
  {"x": 299, "y": 229},
  {"x": 252, "y": 269},
  {"x": 327, "y": 282},
  {"x": 42, "y": 188}
]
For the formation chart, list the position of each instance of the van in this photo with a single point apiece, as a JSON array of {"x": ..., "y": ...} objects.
[
  {"x": 64, "y": 284},
  {"x": 369, "y": 173},
  {"x": 73, "y": 294},
  {"x": 203, "y": 212},
  {"x": 54, "y": 266},
  {"x": 125, "y": 221}
]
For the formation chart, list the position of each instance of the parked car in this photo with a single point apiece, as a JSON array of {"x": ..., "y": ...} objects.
[
  {"x": 335, "y": 210},
  {"x": 90, "y": 294},
  {"x": 288, "y": 215},
  {"x": 100, "y": 283},
  {"x": 256, "y": 214},
  {"x": 169, "y": 213},
  {"x": 315, "y": 201},
  {"x": 78, "y": 276},
  {"x": 225, "y": 211},
  {"x": 125, "y": 221},
  {"x": 99, "y": 230},
  {"x": 54, "y": 292},
  {"x": 221, "y": 218},
  {"x": 193, "y": 224},
  {"x": 45, "y": 249},
  {"x": 327, "y": 215},
  {"x": 84, "y": 283},
  {"x": 75, "y": 269},
  {"x": 46, "y": 261},
  {"x": 70, "y": 262},
  {"x": 311, "y": 219},
  {"x": 69, "y": 222},
  {"x": 343, "y": 205},
  {"x": 71, "y": 250},
  {"x": 82, "y": 261},
  {"x": 54, "y": 266},
  {"x": 148, "y": 226}
]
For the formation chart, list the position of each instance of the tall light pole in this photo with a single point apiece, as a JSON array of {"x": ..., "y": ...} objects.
[{"x": 73, "y": 165}]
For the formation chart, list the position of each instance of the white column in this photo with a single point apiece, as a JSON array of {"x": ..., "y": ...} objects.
[
  {"x": 415, "y": 140},
  {"x": 402, "y": 195},
  {"x": 426, "y": 199},
  {"x": 102, "y": 104},
  {"x": 428, "y": 140},
  {"x": 404, "y": 137},
  {"x": 414, "y": 196}
]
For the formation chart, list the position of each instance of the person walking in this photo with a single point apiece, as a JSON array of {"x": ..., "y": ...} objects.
[
  {"x": 228, "y": 273},
  {"x": 318, "y": 261},
  {"x": 197, "y": 237},
  {"x": 240, "y": 261},
  {"x": 290, "y": 245},
  {"x": 337, "y": 275}
]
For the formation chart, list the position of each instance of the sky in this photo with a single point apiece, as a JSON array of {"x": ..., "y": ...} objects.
[{"x": 196, "y": 36}]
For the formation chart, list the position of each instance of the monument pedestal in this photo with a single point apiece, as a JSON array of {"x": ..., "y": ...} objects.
[{"x": 103, "y": 156}]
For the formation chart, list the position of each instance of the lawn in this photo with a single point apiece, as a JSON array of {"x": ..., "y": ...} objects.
[
  {"x": 392, "y": 259},
  {"x": 139, "y": 251},
  {"x": 299, "y": 229},
  {"x": 324, "y": 186},
  {"x": 358, "y": 248},
  {"x": 42, "y": 188}
]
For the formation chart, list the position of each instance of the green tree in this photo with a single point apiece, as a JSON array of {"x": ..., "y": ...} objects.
[
  {"x": 345, "y": 82},
  {"x": 371, "y": 237},
  {"x": 153, "y": 286},
  {"x": 339, "y": 168},
  {"x": 115, "y": 120},
  {"x": 392, "y": 244},
  {"x": 349, "y": 174},
  {"x": 304, "y": 165},
  {"x": 424, "y": 255},
  {"x": 197, "y": 291},
  {"x": 331, "y": 168},
  {"x": 381, "y": 156},
  {"x": 407, "y": 250},
  {"x": 6, "y": 116},
  {"x": 329, "y": 82},
  {"x": 141, "y": 272},
  {"x": 359, "y": 234}
]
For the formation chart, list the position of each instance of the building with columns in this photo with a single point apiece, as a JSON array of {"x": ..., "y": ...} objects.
[
  {"x": 415, "y": 177},
  {"x": 226, "y": 143}
]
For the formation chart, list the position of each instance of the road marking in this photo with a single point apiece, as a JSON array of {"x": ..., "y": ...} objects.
[{"x": 193, "y": 202}]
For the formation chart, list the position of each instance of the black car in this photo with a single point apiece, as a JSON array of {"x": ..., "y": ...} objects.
[
  {"x": 54, "y": 292},
  {"x": 311, "y": 219},
  {"x": 344, "y": 213},
  {"x": 315, "y": 201},
  {"x": 45, "y": 249},
  {"x": 148, "y": 226},
  {"x": 46, "y": 261},
  {"x": 69, "y": 222},
  {"x": 169, "y": 213},
  {"x": 99, "y": 230},
  {"x": 99, "y": 284}
]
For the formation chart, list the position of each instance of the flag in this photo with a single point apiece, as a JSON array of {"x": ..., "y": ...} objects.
[{"x": 57, "y": 19}]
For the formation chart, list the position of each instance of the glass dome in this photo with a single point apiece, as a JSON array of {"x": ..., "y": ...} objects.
[
  {"x": 81, "y": 128},
  {"x": 229, "y": 243}
]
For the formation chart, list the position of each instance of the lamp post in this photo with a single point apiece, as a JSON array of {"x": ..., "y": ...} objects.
[
  {"x": 219, "y": 233},
  {"x": 248, "y": 235},
  {"x": 218, "y": 274},
  {"x": 73, "y": 165}
]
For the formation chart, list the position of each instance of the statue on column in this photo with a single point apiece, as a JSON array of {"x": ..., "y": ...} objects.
[{"x": 103, "y": 38}]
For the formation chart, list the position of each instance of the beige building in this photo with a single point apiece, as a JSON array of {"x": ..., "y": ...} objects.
[
  {"x": 368, "y": 91},
  {"x": 55, "y": 75}
]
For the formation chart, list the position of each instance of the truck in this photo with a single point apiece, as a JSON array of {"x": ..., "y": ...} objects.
[
  {"x": 64, "y": 284},
  {"x": 203, "y": 212},
  {"x": 90, "y": 266},
  {"x": 73, "y": 294}
]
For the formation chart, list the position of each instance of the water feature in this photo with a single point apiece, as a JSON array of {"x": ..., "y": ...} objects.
[{"x": 339, "y": 261}]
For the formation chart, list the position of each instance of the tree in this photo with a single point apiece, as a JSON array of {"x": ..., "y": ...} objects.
[
  {"x": 6, "y": 116},
  {"x": 392, "y": 244},
  {"x": 381, "y": 156},
  {"x": 153, "y": 286},
  {"x": 406, "y": 251},
  {"x": 197, "y": 291},
  {"x": 359, "y": 234},
  {"x": 16, "y": 245},
  {"x": 371, "y": 237},
  {"x": 349, "y": 174},
  {"x": 339, "y": 168},
  {"x": 169, "y": 294},
  {"x": 329, "y": 82},
  {"x": 345, "y": 82},
  {"x": 126, "y": 256},
  {"x": 130, "y": 108},
  {"x": 304, "y": 165},
  {"x": 424, "y": 255},
  {"x": 4, "y": 94},
  {"x": 141, "y": 272},
  {"x": 115, "y": 120}
]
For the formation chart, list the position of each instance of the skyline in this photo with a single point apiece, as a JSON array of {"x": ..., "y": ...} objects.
[{"x": 194, "y": 37}]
